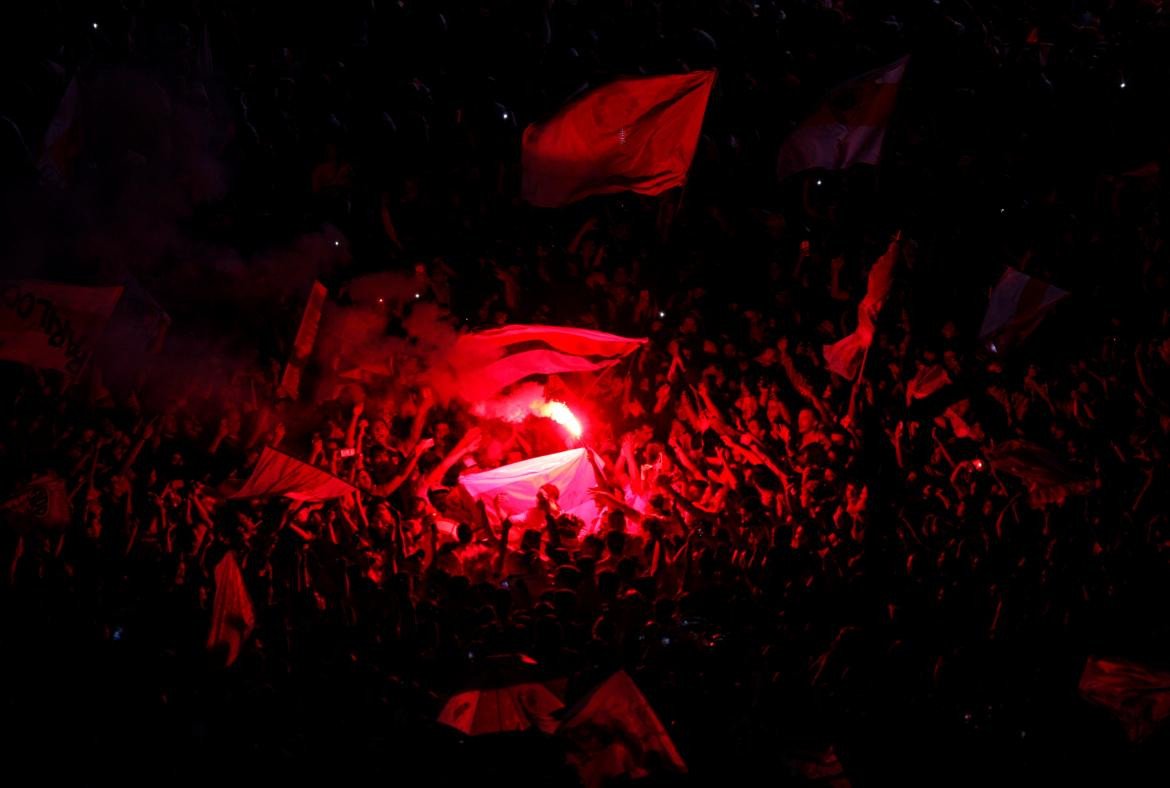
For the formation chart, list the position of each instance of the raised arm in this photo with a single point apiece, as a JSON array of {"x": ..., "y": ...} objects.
[{"x": 469, "y": 443}]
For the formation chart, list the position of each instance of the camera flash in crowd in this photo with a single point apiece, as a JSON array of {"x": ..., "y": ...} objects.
[
  {"x": 819, "y": 181},
  {"x": 95, "y": 27},
  {"x": 337, "y": 243},
  {"x": 418, "y": 295},
  {"x": 1122, "y": 86},
  {"x": 978, "y": 465}
]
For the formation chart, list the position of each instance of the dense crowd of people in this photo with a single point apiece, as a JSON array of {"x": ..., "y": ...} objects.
[{"x": 788, "y": 561}]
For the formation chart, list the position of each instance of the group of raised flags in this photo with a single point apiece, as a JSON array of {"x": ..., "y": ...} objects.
[{"x": 639, "y": 134}]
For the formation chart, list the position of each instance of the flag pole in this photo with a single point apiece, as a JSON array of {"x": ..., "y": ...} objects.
[
  {"x": 865, "y": 354},
  {"x": 857, "y": 383}
]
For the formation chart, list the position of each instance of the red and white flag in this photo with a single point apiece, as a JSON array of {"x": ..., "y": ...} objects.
[
  {"x": 1138, "y": 696},
  {"x": 637, "y": 134},
  {"x": 306, "y": 339},
  {"x": 613, "y": 732},
  {"x": 845, "y": 355},
  {"x": 52, "y": 325},
  {"x": 232, "y": 616},
  {"x": 1018, "y": 303},
  {"x": 278, "y": 474},
  {"x": 496, "y": 358},
  {"x": 848, "y": 128}
]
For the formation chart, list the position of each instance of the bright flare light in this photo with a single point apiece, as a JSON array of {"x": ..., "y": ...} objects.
[{"x": 560, "y": 413}]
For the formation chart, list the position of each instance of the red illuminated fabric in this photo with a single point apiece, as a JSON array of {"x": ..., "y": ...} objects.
[
  {"x": 513, "y": 488},
  {"x": 848, "y": 128},
  {"x": 43, "y": 502},
  {"x": 495, "y": 710},
  {"x": 1047, "y": 477},
  {"x": 232, "y": 617},
  {"x": 499, "y": 357},
  {"x": 1138, "y": 696},
  {"x": 290, "y": 382},
  {"x": 928, "y": 380},
  {"x": 613, "y": 732},
  {"x": 635, "y": 134},
  {"x": 845, "y": 355},
  {"x": 52, "y": 325},
  {"x": 277, "y": 474}
]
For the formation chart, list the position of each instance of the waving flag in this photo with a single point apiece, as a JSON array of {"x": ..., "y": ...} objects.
[
  {"x": 43, "y": 502},
  {"x": 928, "y": 379},
  {"x": 306, "y": 340},
  {"x": 1138, "y": 696},
  {"x": 512, "y": 489},
  {"x": 635, "y": 134},
  {"x": 277, "y": 474},
  {"x": 613, "y": 732},
  {"x": 52, "y": 325},
  {"x": 848, "y": 128},
  {"x": 499, "y": 357},
  {"x": 1018, "y": 303},
  {"x": 1048, "y": 478},
  {"x": 845, "y": 355},
  {"x": 232, "y": 616}
]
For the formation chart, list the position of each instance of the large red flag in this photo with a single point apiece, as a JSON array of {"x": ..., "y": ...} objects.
[
  {"x": 52, "y": 325},
  {"x": 1138, "y": 696},
  {"x": 278, "y": 474},
  {"x": 845, "y": 355},
  {"x": 848, "y": 128},
  {"x": 232, "y": 617},
  {"x": 636, "y": 134},
  {"x": 490, "y": 360},
  {"x": 613, "y": 732}
]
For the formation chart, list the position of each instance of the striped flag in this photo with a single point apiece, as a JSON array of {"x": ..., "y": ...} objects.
[
  {"x": 278, "y": 474},
  {"x": 1018, "y": 304},
  {"x": 848, "y": 128},
  {"x": 637, "y": 134},
  {"x": 500, "y": 357}
]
